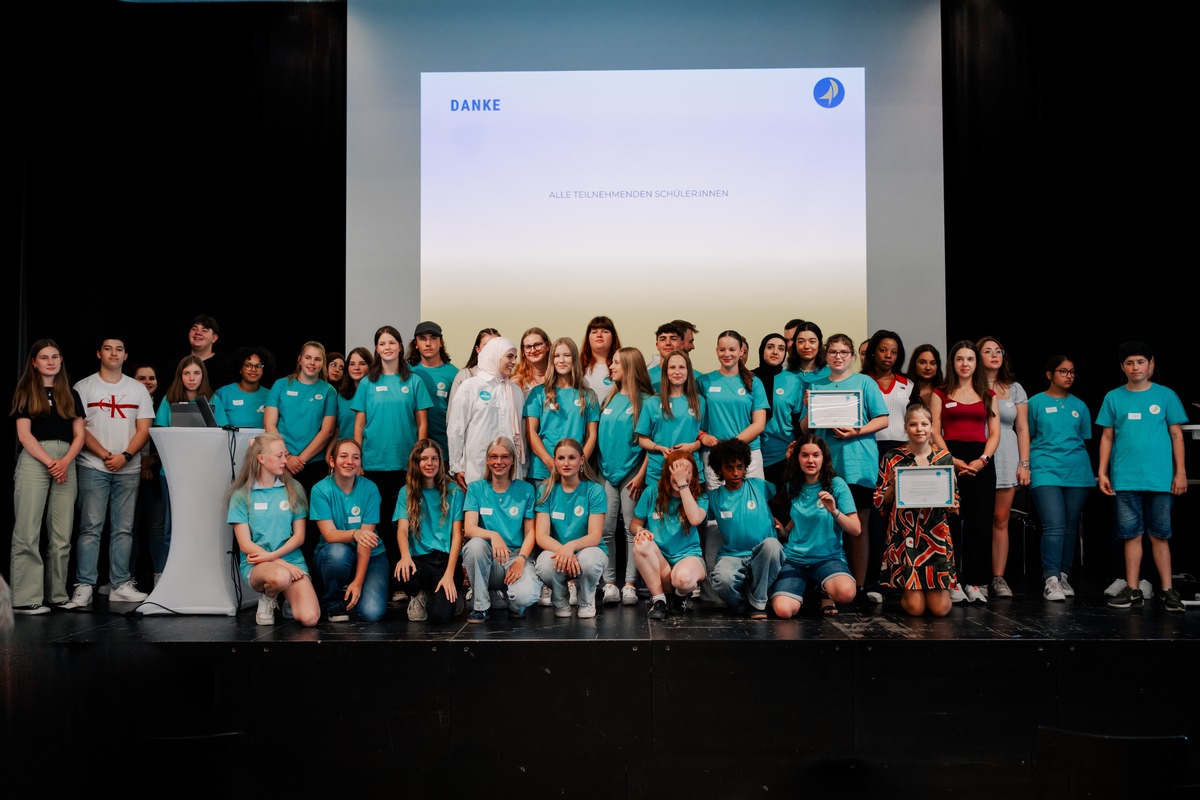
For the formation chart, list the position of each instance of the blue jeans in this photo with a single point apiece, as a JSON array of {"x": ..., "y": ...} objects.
[
  {"x": 592, "y": 561},
  {"x": 1059, "y": 508},
  {"x": 619, "y": 501},
  {"x": 1144, "y": 512},
  {"x": 335, "y": 565},
  {"x": 100, "y": 493},
  {"x": 739, "y": 581},
  {"x": 487, "y": 574}
]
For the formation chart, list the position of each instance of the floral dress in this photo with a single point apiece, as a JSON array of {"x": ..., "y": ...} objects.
[{"x": 919, "y": 553}]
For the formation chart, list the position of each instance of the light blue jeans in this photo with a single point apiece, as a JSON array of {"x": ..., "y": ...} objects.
[
  {"x": 335, "y": 566},
  {"x": 619, "y": 501},
  {"x": 487, "y": 574},
  {"x": 739, "y": 581},
  {"x": 104, "y": 493},
  {"x": 1059, "y": 508},
  {"x": 592, "y": 561}
]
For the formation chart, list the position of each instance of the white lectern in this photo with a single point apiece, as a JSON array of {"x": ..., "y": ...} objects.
[{"x": 199, "y": 577}]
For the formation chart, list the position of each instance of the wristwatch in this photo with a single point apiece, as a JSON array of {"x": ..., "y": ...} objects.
[{"x": 128, "y": 456}]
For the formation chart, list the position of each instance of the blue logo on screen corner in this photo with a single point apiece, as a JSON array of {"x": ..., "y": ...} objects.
[{"x": 829, "y": 92}]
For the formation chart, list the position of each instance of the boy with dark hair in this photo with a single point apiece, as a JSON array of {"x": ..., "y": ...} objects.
[{"x": 1141, "y": 465}]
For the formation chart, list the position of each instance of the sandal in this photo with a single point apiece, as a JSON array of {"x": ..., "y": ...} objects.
[{"x": 828, "y": 607}]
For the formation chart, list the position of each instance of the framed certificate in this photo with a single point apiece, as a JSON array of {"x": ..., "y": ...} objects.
[
  {"x": 925, "y": 487},
  {"x": 834, "y": 408}
]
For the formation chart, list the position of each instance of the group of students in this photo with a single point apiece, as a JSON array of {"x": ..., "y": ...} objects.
[{"x": 374, "y": 469}]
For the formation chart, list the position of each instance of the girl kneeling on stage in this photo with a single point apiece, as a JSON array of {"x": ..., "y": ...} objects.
[
  {"x": 268, "y": 510},
  {"x": 428, "y": 521},
  {"x": 666, "y": 544},
  {"x": 822, "y": 509}
]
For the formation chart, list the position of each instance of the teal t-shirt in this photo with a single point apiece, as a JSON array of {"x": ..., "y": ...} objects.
[
  {"x": 347, "y": 511},
  {"x": 1141, "y": 459},
  {"x": 682, "y": 427},
  {"x": 675, "y": 537},
  {"x": 242, "y": 409},
  {"x": 787, "y": 402},
  {"x": 1058, "y": 428},
  {"x": 270, "y": 516},
  {"x": 303, "y": 408},
  {"x": 855, "y": 460},
  {"x": 815, "y": 535},
  {"x": 503, "y": 513},
  {"x": 620, "y": 454},
  {"x": 562, "y": 420},
  {"x": 437, "y": 531},
  {"x": 391, "y": 407},
  {"x": 742, "y": 516},
  {"x": 438, "y": 381},
  {"x": 570, "y": 511},
  {"x": 729, "y": 406}
]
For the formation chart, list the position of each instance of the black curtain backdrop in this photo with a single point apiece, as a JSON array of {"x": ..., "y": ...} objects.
[{"x": 159, "y": 161}]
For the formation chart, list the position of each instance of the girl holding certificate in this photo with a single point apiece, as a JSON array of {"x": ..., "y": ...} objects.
[
  {"x": 918, "y": 559},
  {"x": 852, "y": 449}
]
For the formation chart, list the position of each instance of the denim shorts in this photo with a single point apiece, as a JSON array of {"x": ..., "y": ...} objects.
[
  {"x": 1144, "y": 512},
  {"x": 794, "y": 579}
]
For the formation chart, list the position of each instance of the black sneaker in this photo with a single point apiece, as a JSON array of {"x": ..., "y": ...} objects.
[
  {"x": 676, "y": 604},
  {"x": 658, "y": 610},
  {"x": 338, "y": 613},
  {"x": 1170, "y": 600},
  {"x": 1127, "y": 598},
  {"x": 37, "y": 609}
]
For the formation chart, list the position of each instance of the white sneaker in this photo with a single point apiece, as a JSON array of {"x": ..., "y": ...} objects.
[
  {"x": 399, "y": 596},
  {"x": 127, "y": 592},
  {"x": 1115, "y": 587},
  {"x": 974, "y": 595},
  {"x": 1147, "y": 589},
  {"x": 587, "y": 610},
  {"x": 547, "y": 598},
  {"x": 957, "y": 595},
  {"x": 266, "y": 610},
  {"x": 573, "y": 593},
  {"x": 629, "y": 595},
  {"x": 1053, "y": 590},
  {"x": 416, "y": 607},
  {"x": 1000, "y": 587},
  {"x": 612, "y": 595},
  {"x": 562, "y": 612},
  {"x": 80, "y": 598},
  {"x": 1066, "y": 587}
]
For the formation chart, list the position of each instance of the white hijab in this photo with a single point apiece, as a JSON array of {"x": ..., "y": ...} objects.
[{"x": 488, "y": 365}]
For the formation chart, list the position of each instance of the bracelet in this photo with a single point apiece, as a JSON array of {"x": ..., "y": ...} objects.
[
  {"x": 1024, "y": 464},
  {"x": 522, "y": 555}
]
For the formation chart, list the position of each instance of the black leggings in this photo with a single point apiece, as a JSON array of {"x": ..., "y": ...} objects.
[{"x": 973, "y": 531}]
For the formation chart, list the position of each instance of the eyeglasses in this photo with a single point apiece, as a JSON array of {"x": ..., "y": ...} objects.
[
  {"x": 838, "y": 354},
  {"x": 1067, "y": 373},
  {"x": 529, "y": 348},
  {"x": 251, "y": 365},
  {"x": 991, "y": 351}
]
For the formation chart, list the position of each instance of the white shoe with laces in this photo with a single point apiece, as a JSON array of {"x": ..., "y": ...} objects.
[
  {"x": 612, "y": 595},
  {"x": 266, "y": 610},
  {"x": 546, "y": 598},
  {"x": 957, "y": 595},
  {"x": 629, "y": 595},
  {"x": 1053, "y": 589},
  {"x": 416, "y": 607},
  {"x": 974, "y": 595},
  {"x": 80, "y": 598},
  {"x": 1147, "y": 589},
  {"x": 1066, "y": 587}
]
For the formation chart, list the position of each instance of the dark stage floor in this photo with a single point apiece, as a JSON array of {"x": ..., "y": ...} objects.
[{"x": 704, "y": 705}]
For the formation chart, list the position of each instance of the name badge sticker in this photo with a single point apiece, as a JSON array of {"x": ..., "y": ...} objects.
[
  {"x": 485, "y": 512},
  {"x": 260, "y": 506}
]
